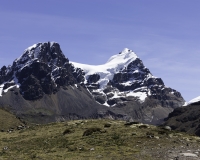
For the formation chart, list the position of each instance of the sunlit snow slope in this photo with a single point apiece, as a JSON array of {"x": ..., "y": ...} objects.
[
  {"x": 107, "y": 71},
  {"x": 195, "y": 100}
]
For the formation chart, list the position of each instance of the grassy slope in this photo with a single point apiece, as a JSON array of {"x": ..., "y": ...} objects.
[
  {"x": 115, "y": 142},
  {"x": 8, "y": 120}
]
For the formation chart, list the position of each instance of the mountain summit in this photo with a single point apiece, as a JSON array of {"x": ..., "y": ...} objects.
[{"x": 42, "y": 82}]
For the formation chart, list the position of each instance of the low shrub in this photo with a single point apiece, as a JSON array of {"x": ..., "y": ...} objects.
[
  {"x": 107, "y": 125},
  {"x": 149, "y": 134},
  {"x": 143, "y": 126},
  {"x": 72, "y": 148},
  {"x": 67, "y": 131},
  {"x": 131, "y": 123},
  {"x": 163, "y": 132},
  {"x": 89, "y": 131}
]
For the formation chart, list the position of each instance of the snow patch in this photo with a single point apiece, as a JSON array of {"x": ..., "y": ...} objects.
[
  {"x": 1, "y": 89},
  {"x": 106, "y": 104},
  {"x": 36, "y": 52},
  {"x": 197, "y": 99},
  {"x": 29, "y": 48},
  {"x": 140, "y": 95},
  {"x": 189, "y": 154},
  {"x": 6, "y": 90},
  {"x": 51, "y": 43}
]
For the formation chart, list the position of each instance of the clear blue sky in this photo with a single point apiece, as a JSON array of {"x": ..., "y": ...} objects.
[{"x": 165, "y": 34}]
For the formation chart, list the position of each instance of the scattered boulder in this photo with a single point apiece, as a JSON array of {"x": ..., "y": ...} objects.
[
  {"x": 149, "y": 134},
  {"x": 167, "y": 128},
  {"x": 20, "y": 127}
]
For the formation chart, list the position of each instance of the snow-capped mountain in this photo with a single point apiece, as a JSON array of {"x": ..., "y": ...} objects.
[
  {"x": 123, "y": 76},
  {"x": 43, "y": 83}
]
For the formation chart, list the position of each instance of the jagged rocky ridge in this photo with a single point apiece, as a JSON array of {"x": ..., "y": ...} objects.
[
  {"x": 43, "y": 83},
  {"x": 42, "y": 69}
]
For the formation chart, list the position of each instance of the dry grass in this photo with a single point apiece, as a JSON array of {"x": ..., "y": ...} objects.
[
  {"x": 8, "y": 120},
  {"x": 66, "y": 141}
]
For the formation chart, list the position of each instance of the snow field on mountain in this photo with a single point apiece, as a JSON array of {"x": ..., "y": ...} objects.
[
  {"x": 111, "y": 67},
  {"x": 1, "y": 89},
  {"x": 140, "y": 95},
  {"x": 6, "y": 90},
  {"x": 197, "y": 99}
]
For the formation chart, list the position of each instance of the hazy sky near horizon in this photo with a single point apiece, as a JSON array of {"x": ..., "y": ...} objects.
[{"x": 164, "y": 34}]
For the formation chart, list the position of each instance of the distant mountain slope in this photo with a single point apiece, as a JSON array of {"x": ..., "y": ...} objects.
[{"x": 42, "y": 85}]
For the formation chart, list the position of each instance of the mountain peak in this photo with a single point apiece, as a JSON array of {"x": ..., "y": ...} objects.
[
  {"x": 33, "y": 50},
  {"x": 126, "y": 55},
  {"x": 125, "y": 50},
  {"x": 43, "y": 64},
  {"x": 40, "y": 43},
  {"x": 47, "y": 52}
]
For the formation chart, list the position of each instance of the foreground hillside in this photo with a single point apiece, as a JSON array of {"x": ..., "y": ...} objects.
[
  {"x": 8, "y": 120},
  {"x": 97, "y": 139}
]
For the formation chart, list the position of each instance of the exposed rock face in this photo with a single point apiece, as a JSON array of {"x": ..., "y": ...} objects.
[
  {"x": 185, "y": 119},
  {"x": 42, "y": 69},
  {"x": 43, "y": 83}
]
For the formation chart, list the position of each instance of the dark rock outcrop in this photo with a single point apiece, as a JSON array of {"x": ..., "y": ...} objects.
[
  {"x": 42, "y": 69},
  {"x": 185, "y": 119}
]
